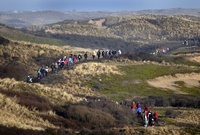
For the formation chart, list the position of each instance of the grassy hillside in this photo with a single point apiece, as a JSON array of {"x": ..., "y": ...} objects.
[
  {"x": 20, "y": 58},
  {"x": 127, "y": 33},
  {"x": 94, "y": 97},
  {"x": 83, "y": 99},
  {"x": 15, "y": 34},
  {"x": 20, "y": 19}
]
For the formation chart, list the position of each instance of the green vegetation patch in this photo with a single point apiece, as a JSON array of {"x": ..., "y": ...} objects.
[
  {"x": 15, "y": 34},
  {"x": 182, "y": 60},
  {"x": 133, "y": 82},
  {"x": 192, "y": 91}
]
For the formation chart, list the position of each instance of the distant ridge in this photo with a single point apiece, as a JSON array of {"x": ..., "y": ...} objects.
[{"x": 20, "y": 19}]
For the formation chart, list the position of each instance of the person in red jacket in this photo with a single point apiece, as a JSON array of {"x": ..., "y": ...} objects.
[
  {"x": 155, "y": 116},
  {"x": 74, "y": 59},
  {"x": 66, "y": 61},
  {"x": 133, "y": 106},
  {"x": 146, "y": 108}
]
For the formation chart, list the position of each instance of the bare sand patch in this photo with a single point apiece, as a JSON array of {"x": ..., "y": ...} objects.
[
  {"x": 168, "y": 82},
  {"x": 98, "y": 23}
]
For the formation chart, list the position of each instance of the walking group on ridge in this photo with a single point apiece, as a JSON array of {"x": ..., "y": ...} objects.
[{"x": 71, "y": 60}]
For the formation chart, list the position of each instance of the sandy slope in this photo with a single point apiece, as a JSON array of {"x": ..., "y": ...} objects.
[{"x": 168, "y": 82}]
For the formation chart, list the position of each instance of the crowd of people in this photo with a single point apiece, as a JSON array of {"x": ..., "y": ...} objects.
[
  {"x": 71, "y": 60},
  {"x": 105, "y": 53},
  {"x": 148, "y": 118}
]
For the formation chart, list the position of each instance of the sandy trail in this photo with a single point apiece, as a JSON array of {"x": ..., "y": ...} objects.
[{"x": 168, "y": 82}]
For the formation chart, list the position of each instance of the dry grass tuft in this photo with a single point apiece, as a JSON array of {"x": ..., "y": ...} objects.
[
  {"x": 56, "y": 95},
  {"x": 14, "y": 115},
  {"x": 31, "y": 56},
  {"x": 93, "y": 69},
  {"x": 166, "y": 130},
  {"x": 72, "y": 79},
  {"x": 190, "y": 117}
]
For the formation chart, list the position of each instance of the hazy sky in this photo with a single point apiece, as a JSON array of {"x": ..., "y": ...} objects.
[{"x": 95, "y": 5}]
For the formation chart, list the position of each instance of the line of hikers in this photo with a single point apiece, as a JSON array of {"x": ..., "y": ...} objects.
[
  {"x": 148, "y": 118},
  {"x": 105, "y": 53},
  {"x": 70, "y": 60}
]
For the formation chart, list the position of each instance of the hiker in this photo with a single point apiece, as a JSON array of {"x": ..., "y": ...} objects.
[
  {"x": 145, "y": 118},
  {"x": 79, "y": 57},
  {"x": 139, "y": 112},
  {"x": 146, "y": 115},
  {"x": 66, "y": 61},
  {"x": 59, "y": 62},
  {"x": 42, "y": 70},
  {"x": 85, "y": 56},
  {"x": 53, "y": 68},
  {"x": 107, "y": 53},
  {"x": 138, "y": 105},
  {"x": 39, "y": 74},
  {"x": 146, "y": 108},
  {"x": 56, "y": 67},
  {"x": 29, "y": 79},
  {"x": 114, "y": 52},
  {"x": 74, "y": 59},
  {"x": 155, "y": 116},
  {"x": 93, "y": 55},
  {"x": 46, "y": 70},
  {"x": 98, "y": 54},
  {"x": 62, "y": 63},
  {"x": 103, "y": 53},
  {"x": 133, "y": 106},
  {"x": 119, "y": 52},
  {"x": 151, "y": 119},
  {"x": 110, "y": 53},
  {"x": 70, "y": 60}
]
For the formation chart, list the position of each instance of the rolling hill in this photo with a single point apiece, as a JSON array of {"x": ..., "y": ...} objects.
[
  {"x": 129, "y": 33},
  {"x": 20, "y": 19},
  {"x": 94, "y": 96}
]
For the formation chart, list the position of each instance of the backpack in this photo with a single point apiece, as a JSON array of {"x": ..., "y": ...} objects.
[{"x": 155, "y": 114}]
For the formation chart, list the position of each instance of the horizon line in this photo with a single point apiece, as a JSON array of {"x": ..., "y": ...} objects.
[{"x": 74, "y": 10}]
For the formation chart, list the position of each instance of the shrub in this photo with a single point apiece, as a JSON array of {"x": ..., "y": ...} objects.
[
  {"x": 29, "y": 100},
  {"x": 171, "y": 113},
  {"x": 62, "y": 122},
  {"x": 122, "y": 113},
  {"x": 174, "y": 101},
  {"x": 14, "y": 70},
  {"x": 16, "y": 131},
  {"x": 4, "y": 41},
  {"x": 90, "y": 117}
]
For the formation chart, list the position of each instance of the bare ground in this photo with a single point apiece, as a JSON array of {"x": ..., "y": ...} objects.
[{"x": 168, "y": 82}]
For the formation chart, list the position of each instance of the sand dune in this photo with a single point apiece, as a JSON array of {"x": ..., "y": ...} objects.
[{"x": 168, "y": 82}]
